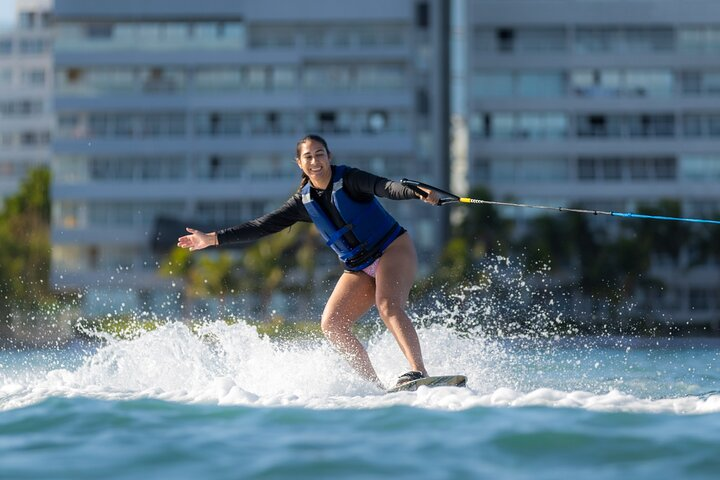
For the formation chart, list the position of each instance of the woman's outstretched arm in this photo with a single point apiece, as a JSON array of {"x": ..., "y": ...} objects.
[{"x": 290, "y": 213}]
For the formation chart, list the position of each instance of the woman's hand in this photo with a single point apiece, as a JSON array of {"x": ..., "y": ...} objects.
[
  {"x": 432, "y": 196},
  {"x": 197, "y": 240}
]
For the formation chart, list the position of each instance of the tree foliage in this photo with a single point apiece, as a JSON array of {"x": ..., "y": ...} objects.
[
  {"x": 262, "y": 269},
  {"x": 25, "y": 245}
]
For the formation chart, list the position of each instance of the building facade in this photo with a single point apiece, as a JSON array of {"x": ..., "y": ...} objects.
[
  {"x": 191, "y": 110},
  {"x": 26, "y": 116},
  {"x": 608, "y": 104}
]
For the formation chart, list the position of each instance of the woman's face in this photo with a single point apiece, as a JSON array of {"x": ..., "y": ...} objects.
[{"x": 314, "y": 161}]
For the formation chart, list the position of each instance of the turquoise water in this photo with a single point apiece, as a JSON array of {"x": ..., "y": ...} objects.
[{"x": 226, "y": 403}]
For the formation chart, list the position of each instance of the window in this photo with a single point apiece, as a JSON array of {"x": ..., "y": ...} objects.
[
  {"x": 6, "y": 77},
  {"x": 99, "y": 30},
  {"x": 665, "y": 168},
  {"x": 272, "y": 37},
  {"x": 327, "y": 121},
  {"x": 33, "y": 77},
  {"x": 33, "y": 46},
  {"x": 422, "y": 15},
  {"x": 6, "y": 46},
  {"x": 539, "y": 40},
  {"x": 480, "y": 172},
  {"x": 586, "y": 169},
  {"x": 26, "y": 20},
  {"x": 611, "y": 168},
  {"x": 703, "y": 168},
  {"x": 492, "y": 84},
  {"x": 283, "y": 77},
  {"x": 698, "y": 39},
  {"x": 540, "y": 84},
  {"x": 423, "y": 102},
  {"x": 257, "y": 77},
  {"x": 377, "y": 121},
  {"x": 505, "y": 38}
]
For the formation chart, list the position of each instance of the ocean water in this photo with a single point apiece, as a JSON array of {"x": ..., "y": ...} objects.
[{"x": 222, "y": 402}]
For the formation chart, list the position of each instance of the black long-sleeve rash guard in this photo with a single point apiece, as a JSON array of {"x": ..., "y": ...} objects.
[{"x": 360, "y": 186}]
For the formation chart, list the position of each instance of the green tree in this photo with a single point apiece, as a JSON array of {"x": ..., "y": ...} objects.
[
  {"x": 25, "y": 246},
  {"x": 261, "y": 269},
  {"x": 664, "y": 238},
  {"x": 549, "y": 239},
  {"x": 266, "y": 263},
  {"x": 486, "y": 231}
]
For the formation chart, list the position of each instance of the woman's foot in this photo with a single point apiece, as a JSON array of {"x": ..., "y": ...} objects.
[{"x": 409, "y": 377}]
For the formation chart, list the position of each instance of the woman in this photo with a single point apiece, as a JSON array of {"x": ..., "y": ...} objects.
[{"x": 379, "y": 256}]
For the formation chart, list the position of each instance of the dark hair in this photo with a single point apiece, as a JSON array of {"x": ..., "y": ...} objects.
[{"x": 311, "y": 137}]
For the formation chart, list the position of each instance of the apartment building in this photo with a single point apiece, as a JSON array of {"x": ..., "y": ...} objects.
[
  {"x": 605, "y": 103},
  {"x": 26, "y": 117},
  {"x": 191, "y": 111}
]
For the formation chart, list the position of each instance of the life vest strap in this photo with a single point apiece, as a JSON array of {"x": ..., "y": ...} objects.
[{"x": 337, "y": 234}]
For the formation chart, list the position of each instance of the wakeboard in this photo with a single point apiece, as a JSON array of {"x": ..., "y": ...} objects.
[{"x": 441, "y": 381}]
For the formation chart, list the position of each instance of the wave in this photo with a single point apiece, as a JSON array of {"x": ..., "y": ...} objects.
[{"x": 224, "y": 364}]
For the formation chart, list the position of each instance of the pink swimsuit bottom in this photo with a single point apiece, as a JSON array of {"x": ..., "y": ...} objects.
[{"x": 372, "y": 268}]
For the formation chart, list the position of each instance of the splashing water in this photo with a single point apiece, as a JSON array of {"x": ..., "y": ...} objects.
[{"x": 474, "y": 331}]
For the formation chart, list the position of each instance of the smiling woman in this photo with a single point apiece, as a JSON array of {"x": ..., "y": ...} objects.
[{"x": 378, "y": 254}]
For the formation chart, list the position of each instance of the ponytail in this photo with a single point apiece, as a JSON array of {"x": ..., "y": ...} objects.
[{"x": 303, "y": 181}]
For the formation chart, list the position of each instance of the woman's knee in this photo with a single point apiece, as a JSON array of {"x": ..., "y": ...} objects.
[{"x": 389, "y": 307}]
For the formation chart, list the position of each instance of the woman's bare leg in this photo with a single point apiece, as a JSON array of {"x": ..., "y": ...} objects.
[
  {"x": 393, "y": 281},
  {"x": 353, "y": 295}
]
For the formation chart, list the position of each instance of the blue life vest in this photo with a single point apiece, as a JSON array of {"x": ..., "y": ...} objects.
[{"x": 367, "y": 222}]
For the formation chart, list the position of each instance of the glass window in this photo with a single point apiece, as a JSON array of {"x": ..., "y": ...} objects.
[
  {"x": 612, "y": 168},
  {"x": 698, "y": 39},
  {"x": 6, "y": 76},
  {"x": 640, "y": 168},
  {"x": 206, "y": 30},
  {"x": 478, "y": 125},
  {"x": 268, "y": 37},
  {"x": 648, "y": 82},
  {"x": 340, "y": 37},
  {"x": 125, "y": 32},
  {"x": 542, "y": 169},
  {"x": 649, "y": 39},
  {"x": 711, "y": 82},
  {"x": 147, "y": 32},
  {"x": 257, "y": 77},
  {"x": 691, "y": 82},
  {"x": 177, "y": 32},
  {"x": 502, "y": 125},
  {"x": 505, "y": 40},
  {"x": 6, "y": 46},
  {"x": 665, "y": 168},
  {"x": 540, "y": 40},
  {"x": 492, "y": 84},
  {"x": 26, "y": 20},
  {"x": 340, "y": 77},
  {"x": 33, "y": 46},
  {"x": 586, "y": 169},
  {"x": 34, "y": 77},
  {"x": 481, "y": 171},
  {"x": 540, "y": 84},
  {"x": 483, "y": 40},
  {"x": 380, "y": 76},
  {"x": 97, "y": 31},
  {"x": 218, "y": 79},
  {"x": 596, "y": 39},
  {"x": 700, "y": 167},
  {"x": 314, "y": 37}
]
